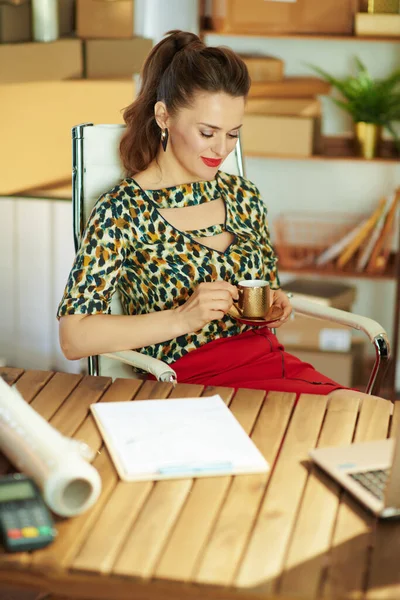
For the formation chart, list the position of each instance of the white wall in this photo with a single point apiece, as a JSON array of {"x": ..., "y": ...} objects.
[{"x": 36, "y": 253}]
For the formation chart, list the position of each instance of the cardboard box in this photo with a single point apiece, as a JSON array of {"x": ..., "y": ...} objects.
[
  {"x": 66, "y": 15},
  {"x": 329, "y": 293},
  {"x": 290, "y": 133},
  {"x": 377, "y": 25},
  {"x": 264, "y": 68},
  {"x": 115, "y": 58},
  {"x": 15, "y": 23},
  {"x": 383, "y": 6},
  {"x": 100, "y": 19},
  {"x": 38, "y": 148},
  {"x": 314, "y": 334},
  {"x": 290, "y": 87},
  {"x": 302, "y": 16},
  {"x": 346, "y": 368},
  {"x": 36, "y": 61}
]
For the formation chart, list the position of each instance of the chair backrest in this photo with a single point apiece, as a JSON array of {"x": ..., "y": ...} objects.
[{"x": 96, "y": 168}]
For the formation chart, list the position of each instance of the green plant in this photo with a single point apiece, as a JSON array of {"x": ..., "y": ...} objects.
[{"x": 368, "y": 100}]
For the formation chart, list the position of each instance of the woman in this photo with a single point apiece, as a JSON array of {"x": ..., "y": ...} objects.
[{"x": 177, "y": 235}]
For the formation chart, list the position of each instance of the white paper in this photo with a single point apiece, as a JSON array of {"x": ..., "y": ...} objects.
[
  {"x": 338, "y": 340},
  {"x": 157, "y": 439}
]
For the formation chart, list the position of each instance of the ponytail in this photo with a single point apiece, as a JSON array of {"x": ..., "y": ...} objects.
[{"x": 176, "y": 67}]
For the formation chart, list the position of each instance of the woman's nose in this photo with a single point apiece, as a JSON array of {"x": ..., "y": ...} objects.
[{"x": 219, "y": 147}]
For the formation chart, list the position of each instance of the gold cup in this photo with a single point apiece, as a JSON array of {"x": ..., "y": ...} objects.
[{"x": 254, "y": 298}]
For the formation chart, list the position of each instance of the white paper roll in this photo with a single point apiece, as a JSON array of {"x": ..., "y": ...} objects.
[
  {"x": 45, "y": 25},
  {"x": 70, "y": 485}
]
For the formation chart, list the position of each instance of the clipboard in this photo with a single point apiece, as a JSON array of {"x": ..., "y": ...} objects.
[{"x": 177, "y": 438}]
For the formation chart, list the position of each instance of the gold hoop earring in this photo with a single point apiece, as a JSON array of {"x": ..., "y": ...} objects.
[{"x": 164, "y": 138}]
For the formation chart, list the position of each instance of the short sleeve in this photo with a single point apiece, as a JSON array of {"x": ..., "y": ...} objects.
[
  {"x": 98, "y": 262},
  {"x": 269, "y": 255}
]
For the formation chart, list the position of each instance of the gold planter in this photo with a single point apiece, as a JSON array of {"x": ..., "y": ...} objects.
[{"x": 368, "y": 136}]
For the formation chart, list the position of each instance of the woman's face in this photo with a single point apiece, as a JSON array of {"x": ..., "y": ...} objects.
[{"x": 202, "y": 135}]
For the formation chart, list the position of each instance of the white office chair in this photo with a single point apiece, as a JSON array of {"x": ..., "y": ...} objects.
[{"x": 96, "y": 169}]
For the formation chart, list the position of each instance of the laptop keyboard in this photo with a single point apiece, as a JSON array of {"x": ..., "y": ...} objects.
[{"x": 373, "y": 481}]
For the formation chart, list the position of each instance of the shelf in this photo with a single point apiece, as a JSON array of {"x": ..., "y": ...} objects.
[
  {"x": 337, "y": 148},
  {"x": 305, "y": 36},
  {"x": 331, "y": 271}
]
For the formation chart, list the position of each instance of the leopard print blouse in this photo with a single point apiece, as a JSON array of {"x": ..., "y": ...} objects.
[{"x": 129, "y": 246}]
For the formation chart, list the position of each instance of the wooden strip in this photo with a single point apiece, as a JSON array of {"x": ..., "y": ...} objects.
[
  {"x": 199, "y": 514},
  {"x": 72, "y": 413},
  {"x": 186, "y": 390},
  {"x": 384, "y": 577},
  {"x": 122, "y": 390},
  {"x": 352, "y": 533},
  {"x": 226, "y": 393},
  {"x": 220, "y": 560},
  {"x": 307, "y": 556},
  {"x": 152, "y": 529},
  {"x": 100, "y": 550},
  {"x": 158, "y": 516},
  {"x": 50, "y": 398},
  {"x": 265, "y": 554},
  {"x": 104, "y": 542},
  {"x": 154, "y": 390},
  {"x": 10, "y": 374},
  {"x": 31, "y": 382},
  {"x": 73, "y": 532}
]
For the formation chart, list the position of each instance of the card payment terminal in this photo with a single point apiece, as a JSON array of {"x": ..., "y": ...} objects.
[{"x": 25, "y": 520}]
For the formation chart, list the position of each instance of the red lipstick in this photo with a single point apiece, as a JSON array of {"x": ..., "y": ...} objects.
[{"x": 211, "y": 162}]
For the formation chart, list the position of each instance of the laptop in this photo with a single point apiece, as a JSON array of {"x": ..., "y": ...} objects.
[{"x": 370, "y": 471}]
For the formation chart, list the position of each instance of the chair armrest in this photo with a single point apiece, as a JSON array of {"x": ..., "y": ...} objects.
[
  {"x": 377, "y": 335},
  {"x": 313, "y": 309},
  {"x": 158, "y": 368}
]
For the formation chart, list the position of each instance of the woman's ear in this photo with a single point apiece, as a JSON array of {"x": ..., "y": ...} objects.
[{"x": 161, "y": 115}]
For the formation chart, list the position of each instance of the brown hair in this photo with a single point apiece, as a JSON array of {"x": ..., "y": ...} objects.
[{"x": 175, "y": 69}]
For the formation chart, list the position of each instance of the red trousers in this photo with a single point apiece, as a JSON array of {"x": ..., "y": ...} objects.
[{"x": 254, "y": 359}]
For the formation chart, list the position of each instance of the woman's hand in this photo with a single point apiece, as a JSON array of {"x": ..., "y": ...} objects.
[
  {"x": 279, "y": 298},
  {"x": 209, "y": 302}
]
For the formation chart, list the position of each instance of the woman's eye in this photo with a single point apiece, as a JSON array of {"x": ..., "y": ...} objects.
[
  {"x": 206, "y": 135},
  {"x": 234, "y": 135}
]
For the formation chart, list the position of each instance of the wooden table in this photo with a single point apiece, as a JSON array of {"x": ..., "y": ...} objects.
[{"x": 289, "y": 534}]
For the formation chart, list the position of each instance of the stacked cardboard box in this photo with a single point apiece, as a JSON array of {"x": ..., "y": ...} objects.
[
  {"x": 16, "y": 20},
  {"x": 302, "y": 16},
  {"x": 283, "y": 114},
  {"x": 38, "y": 153},
  {"x": 330, "y": 347},
  {"x": 110, "y": 48}
]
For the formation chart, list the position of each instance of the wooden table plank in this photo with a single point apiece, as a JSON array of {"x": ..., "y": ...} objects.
[
  {"x": 31, "y": 382},
  {"x": 264, "y": 558},
  {"x": 226, "y": 545},
  {"x": 72, "y": 413},
  {"x": 201, "y": 509},
  {"x": 348, "y": 558},
  {"x": 307, "y": 552},
  {"x": 100, "y": 549},
  {"x": 10, "y": 374},
  {"x": 55, "y": 392},
  {"x": 383, "y": 580},
  {"x": 150, "y": 532},
  {"x": 122, "y": 390}
]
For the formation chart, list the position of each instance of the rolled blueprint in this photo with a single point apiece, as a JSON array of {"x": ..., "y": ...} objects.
[{"x": 59, "y": 465}]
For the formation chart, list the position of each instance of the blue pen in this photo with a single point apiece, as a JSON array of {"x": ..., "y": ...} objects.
[{"x": 188, "y": 468}]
